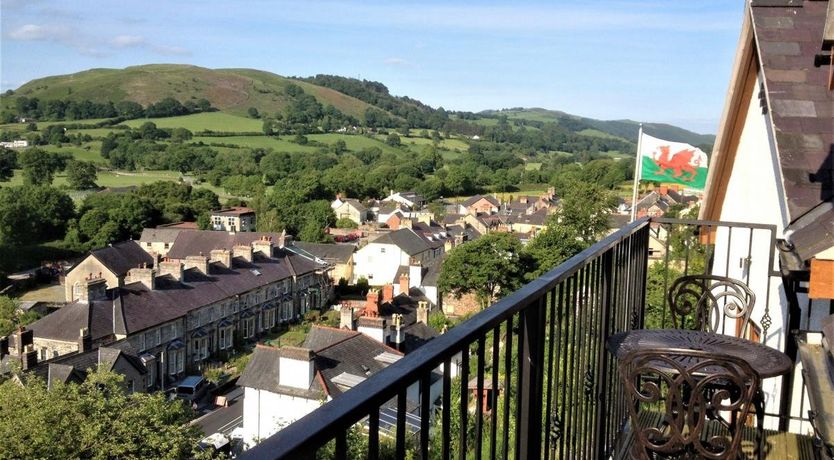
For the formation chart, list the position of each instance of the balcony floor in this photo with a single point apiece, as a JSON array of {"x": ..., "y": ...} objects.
[{"x": 778, "y": 445}]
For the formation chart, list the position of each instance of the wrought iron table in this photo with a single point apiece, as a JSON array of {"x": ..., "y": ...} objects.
[{"x": 768, "y": 362}]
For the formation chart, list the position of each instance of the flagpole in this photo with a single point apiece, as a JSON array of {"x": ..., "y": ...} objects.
[{"x": 638, "y": 168}]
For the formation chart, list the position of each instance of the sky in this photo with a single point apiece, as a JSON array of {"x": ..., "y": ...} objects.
[{"x": 655, "y": 61}]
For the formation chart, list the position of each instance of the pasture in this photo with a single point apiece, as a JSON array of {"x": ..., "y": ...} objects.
[{"x": 208, "y": 121}]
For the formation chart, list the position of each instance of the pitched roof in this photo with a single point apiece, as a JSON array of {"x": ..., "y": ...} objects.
[
  {"x": 262, "y": 373},
  {"x": 121, "y": 257},
  {"x": 233, "y": 211},
  {"x": 335, "y": 253},
  {"x": 405, "y": 239},
  {"x": 472, "y": 200},
  {"x": 159, "y": 235},
  {"x": 204, "y": 241},
  {"x": 802, "y": 112},
  {"x": 356, "y": 204},
  {"x": 66, "y": 323}
]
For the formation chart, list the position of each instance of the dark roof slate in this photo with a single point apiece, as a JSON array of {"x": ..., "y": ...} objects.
[
  {"x": 406, "y": 239},
  {"x": 121, "y": 257},
  {"x": 335, "y": 253},
  {"x": 196, "y": 242}
]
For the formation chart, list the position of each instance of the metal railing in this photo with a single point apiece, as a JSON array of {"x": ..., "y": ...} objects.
[{"x": 552, "y": 389}]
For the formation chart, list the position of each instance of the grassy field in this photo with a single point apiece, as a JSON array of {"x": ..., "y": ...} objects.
[
  {"x": 445, "y": 144},
  {"x": 210, "y": 121},
  {"x": 279, "y": 144},
  {"x": 88, "y": 152}
]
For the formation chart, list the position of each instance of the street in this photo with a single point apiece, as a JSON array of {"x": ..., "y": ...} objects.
[{"x": 223, "y": 419}]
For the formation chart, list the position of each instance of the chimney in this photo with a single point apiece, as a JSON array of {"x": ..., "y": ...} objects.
[
  {"x": 94, "y": 287},
  {"x": 415, "y": 275},
  {"x": 398, "y": 338},
  {"x": 423, "y": 312},
  {"x": 143, "y": 275},
  {"x": 223, "y": 256},
  {"x": 551, "y": 192},
  {"x": 372, "y": 304},
  {"x": 199, "y": 262},
  {"x": 387, "y": 293},
  {"x": 242, "y": 251},
  {"x": 263, "y": 245},
  {"x": 296, "y": 367},
  {"x": 406, "y": 223},
  {"x": 663, "y": 190},
  {"x": 85, "y": 340},
  {"x": 458, "y": 239},
  {"x": 282, "y": 240},
  {"x": 29, "y": 358},
  {"x": 346, "y": 317},
  {"x": 522, "y": 199},
  {"x": 170, "y": 267},
  {"x": 373, "y": 327},
  {"x": 424, "y": 218},
  {"x": 22, "y": 339},
  {"x": 404, "y": 283},
  {"x": 156, "y": 258}
]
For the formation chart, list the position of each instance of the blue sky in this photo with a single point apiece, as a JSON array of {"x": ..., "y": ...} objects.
[{"x": 665, "y": 61}]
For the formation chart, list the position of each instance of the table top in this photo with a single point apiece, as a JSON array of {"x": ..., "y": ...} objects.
[{"x": 768, "y": 362}]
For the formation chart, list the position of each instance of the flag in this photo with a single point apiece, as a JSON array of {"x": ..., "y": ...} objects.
[{"x": 672, "y": 162}]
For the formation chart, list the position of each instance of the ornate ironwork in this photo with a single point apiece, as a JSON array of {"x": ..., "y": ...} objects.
[
  {"x": 693, "y": 387},
  {"x": 555, "y": 431},
  {"x": 589, "y": 383},
  {"x": 704, "y": 302}
]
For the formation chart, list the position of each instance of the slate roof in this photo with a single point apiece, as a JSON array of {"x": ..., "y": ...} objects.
[
  {"x": 195, "y": 242},
  {"x": 121, "y": 257},
  {"x": 233, "y": 211},
  {"x": 406, "y": 239},
  {"x": 355, "y": 355},
  {"x": 61, "y": 366},
  {"x": 262, "y": 373},
  {"x": 356, "y": 204},
  {"x": 159, "y": 235},
  {"x": 536, "y": 218},
  {"x": 801, "y": 109},
  {"x": 335, "y": 253},
  {"x": 65, "y": 323}
]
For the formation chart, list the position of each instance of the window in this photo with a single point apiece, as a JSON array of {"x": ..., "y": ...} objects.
[
  {"x": 175, "y": 361},
  {"x": 248, "y": 327},
  {"x": 166, "y": 245},
  {"x": 382, "y": 250},
  {"x": 224, "y": 340}
]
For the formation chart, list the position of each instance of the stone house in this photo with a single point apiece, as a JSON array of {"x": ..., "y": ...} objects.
[{"x": 234, "y": 219}]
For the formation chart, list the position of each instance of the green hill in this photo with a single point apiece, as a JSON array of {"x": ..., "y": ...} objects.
[
  {"x": 230, "y": 90},
  {"x": 626, "y": 129}
]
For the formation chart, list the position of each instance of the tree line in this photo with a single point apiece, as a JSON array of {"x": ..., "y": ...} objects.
[{"x": 71, "y": 109}]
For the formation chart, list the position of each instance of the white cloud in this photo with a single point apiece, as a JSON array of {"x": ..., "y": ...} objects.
[
  {"x": 124, "y": 41},
  {"x": 34, "y": 32}
]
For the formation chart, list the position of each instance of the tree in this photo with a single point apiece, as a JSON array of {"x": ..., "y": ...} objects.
[
  {"x": 11, "y": 317},
  {"x": 32, "y": 214},
  {"x": 180, "y": 135},
  {"x": 346, "y": 222},
  {"x": 489, "y": 267},
  {"x": 8, "y": 163},
  {"x": 81, "y": 175},
  {"x": 39, "y": 167},
  {"x": 253, "y": 112},
  {"x": 553, "y": 246},
  {"x": 393, "y": 140},
  {"x": 96, "y": 419},
  {"x": 585, "y": 208}
]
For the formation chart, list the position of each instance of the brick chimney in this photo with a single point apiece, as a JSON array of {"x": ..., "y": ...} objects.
[
  {"x": 424, "y": 218},
  {"x": 222, "y": 256},
  {"x": 406, "y": 222},
  {"x": 143, "y": 275},
  {"x": 663, "y": 190},
  {"x": 387, "y": 293},
  {"x": 404, "y": 283},
  {"x": 296, "y": 367},
  {"x": 423, "y": 312},
  {"x": 201, "y": 263},
  {"x": 170, "y": 267},
  {"x": 242, "y": 251},
  {"x": 94, "y": 287},
  {"x": 85, "y": 340},
  {"x": 263, "y": 245},
  {"x": 346, "y": 317},
  {"x": 372, "y": 304}
]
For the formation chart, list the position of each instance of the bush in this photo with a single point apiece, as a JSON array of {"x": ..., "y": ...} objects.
[
  {"x": 312, "y": 316},
  {"x": 345, "y": 222}
]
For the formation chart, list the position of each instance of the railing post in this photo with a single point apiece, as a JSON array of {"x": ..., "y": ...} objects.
[
  {"x": 529, "y": 431},
  {"x": 603, "y": 409}
]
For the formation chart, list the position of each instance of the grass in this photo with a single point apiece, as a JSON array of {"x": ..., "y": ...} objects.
[
  {"x": 209, "y": 121},
  {"x": 87, "y": 152},
  {"x": 278, "y": 144},
  {"x": 444, "y": 144}
]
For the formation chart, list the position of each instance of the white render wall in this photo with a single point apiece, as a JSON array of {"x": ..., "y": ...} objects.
[
  {"x": 265, "y": 413},
  {"x": 379, "y": 263}
]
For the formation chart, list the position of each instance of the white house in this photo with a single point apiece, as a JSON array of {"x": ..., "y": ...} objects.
[
  {"x": 410, "y": 199},
  {"x": 380, "y": 259},
  {"x": 772, "y": 164}
]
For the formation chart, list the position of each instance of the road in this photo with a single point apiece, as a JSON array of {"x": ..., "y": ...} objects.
[{"x": 224, "y": 419}]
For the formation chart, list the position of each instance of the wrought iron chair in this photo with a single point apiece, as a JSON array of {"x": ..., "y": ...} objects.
[
  {"x": 706, "y": 302},
  {"x": 691, "y": 423}
]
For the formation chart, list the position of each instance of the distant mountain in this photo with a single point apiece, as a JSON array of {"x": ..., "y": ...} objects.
[
  {"x": 626, "y": 129},
  {"x": 229, "y": 90}
]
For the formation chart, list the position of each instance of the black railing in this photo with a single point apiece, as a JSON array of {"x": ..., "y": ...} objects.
[{"x": 555, "y": 390}]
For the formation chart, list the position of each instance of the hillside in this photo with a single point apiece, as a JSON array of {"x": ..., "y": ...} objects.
[
  {"x": 229, "y": 90},
  {"x": 626, "y": 129}
]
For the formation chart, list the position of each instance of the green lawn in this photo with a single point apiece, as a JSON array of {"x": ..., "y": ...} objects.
[
  {"x": 445, "y": 144},
  {"x": 280, "y": 144},
  {"x": 533, "y": 166},
  {"x": 94, "y": 132},
  {"x": 87, "y": 152},
  {"x": 214, "y": 121}
]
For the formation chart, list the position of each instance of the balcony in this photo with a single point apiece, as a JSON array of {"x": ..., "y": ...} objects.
[{"x": 559, "y": 394}]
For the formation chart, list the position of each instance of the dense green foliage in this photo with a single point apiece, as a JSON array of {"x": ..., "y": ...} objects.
[
  {"x": 39, "y": 167},
  {"x": 11, "y": 317},
  {"x": 70, "y": 109},
  {"x": 33, "y": 214},
  {"x": 8, "y": 163},
  {"x": 81, "y": 175},
  {"x": 96, "y": 420}
]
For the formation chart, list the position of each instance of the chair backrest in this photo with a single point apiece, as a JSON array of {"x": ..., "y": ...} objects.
[
  {"x": 686, "y": 388},
  {"x": 706, "y": 302}
]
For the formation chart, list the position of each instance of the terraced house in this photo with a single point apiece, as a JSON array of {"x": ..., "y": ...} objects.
[{"x": 213, "y": 291}]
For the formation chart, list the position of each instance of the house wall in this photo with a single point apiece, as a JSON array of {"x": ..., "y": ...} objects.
[
  {"x": 378, "y": 263},
  {"x": 156, "y": 247},
  {"x": 265, "y": 413},
  {"x": 52, "y": 348},
  {"x": 346, "y": 210},
  {"x": 78, "y": 273},
  {"x": 756, "y": 173},
  {"x": 134, "y": 380}
]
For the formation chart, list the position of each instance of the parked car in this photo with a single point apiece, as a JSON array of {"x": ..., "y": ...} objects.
[{"x": 192, "y": 389}]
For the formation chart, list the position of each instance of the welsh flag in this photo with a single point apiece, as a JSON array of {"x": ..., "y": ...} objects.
[{"x": 672, "y": 162}]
